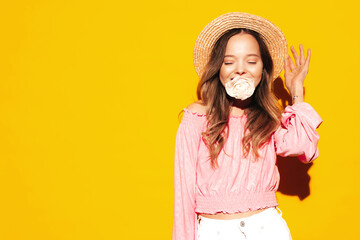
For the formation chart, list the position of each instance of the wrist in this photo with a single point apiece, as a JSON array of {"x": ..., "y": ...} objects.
[
  {"x": 297, "y": 94},
  {"x": 297, "y": 99}
]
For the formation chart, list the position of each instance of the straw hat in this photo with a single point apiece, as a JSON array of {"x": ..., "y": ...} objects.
[{"x": 271, "y": 34}]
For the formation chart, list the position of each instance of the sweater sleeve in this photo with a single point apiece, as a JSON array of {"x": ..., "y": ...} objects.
[
  {"x": 297, "y": 134},
  {"x": 186, "y": 148}
]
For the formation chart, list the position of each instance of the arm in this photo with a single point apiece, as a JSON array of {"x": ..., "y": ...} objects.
[
  {"x": 297, "y": 134},
  {"x": 186, "y": 147}
]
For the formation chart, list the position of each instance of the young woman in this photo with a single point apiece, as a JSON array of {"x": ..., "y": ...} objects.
[{"x": 226, "y": 145}]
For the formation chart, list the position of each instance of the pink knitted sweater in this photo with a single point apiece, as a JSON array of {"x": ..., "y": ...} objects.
[{"x": 239, "y": 184}]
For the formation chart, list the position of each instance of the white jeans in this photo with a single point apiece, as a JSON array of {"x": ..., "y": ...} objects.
[{"x": 266, "y": 225}]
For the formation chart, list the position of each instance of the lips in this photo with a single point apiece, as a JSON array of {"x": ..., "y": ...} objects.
[{"x": 239, "y": 77}]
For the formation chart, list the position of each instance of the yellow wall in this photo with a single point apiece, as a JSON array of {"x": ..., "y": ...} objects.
[{"x": 89, "y": 97}]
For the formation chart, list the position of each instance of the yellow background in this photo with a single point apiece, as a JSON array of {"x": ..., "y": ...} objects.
[{"x": 89, "y": 97}]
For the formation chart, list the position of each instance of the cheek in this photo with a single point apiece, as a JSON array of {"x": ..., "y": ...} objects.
[
  {"x": 257, "y": 81},
  {"x": 257, "y": 74},
  {"x": 223, "y": 74},
  {"x": 257, "y": 71}
]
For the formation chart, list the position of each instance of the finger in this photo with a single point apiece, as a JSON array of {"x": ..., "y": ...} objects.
[
  {"x": 296, "y": 57},
  {"x": 286, "y": 66},
  {"x": 291, "y": 64},
  {"x": 302, "y": 58},
  {"x": 307, "y": 62}
]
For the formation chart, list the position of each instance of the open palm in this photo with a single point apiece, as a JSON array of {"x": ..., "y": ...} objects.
[{"x": 295, "y": 73}]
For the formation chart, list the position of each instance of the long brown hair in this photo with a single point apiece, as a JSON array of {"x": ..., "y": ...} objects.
[{"x": 262, "y": 115}]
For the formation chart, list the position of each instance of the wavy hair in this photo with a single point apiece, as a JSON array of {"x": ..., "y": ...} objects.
[{"x": 263, "y": 114}]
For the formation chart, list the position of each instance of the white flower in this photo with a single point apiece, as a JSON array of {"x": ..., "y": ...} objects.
[{"x": 240, "y": 87}]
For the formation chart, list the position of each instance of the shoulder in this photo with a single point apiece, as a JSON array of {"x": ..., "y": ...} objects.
[
  {"x": 197, "y": 107},
  {"x": 193, "y": 119}
]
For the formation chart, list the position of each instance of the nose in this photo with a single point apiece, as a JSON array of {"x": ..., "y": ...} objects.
[{"x": 240, "y": 68}]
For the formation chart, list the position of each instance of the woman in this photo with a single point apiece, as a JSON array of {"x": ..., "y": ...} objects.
[{"x": 226, "y": 145}]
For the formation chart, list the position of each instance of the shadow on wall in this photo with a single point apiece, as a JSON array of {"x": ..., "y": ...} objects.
[{"x": 294, "y": 177}]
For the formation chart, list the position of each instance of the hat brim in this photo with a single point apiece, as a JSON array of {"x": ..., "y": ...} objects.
[{"x": 270, "y": 33}]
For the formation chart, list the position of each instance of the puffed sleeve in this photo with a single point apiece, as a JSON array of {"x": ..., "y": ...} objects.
[
  {"x": 186, "y": 148},
  {"x": 297, "y": 134}
]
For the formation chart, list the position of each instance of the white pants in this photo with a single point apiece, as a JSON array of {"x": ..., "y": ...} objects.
[{"x": 266, "y": 225}]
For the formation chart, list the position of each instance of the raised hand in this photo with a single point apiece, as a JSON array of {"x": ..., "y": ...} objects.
[{"x": 295, "y": 73}]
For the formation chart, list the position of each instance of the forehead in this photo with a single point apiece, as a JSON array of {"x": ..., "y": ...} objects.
[{"x": 242, "y": 43}]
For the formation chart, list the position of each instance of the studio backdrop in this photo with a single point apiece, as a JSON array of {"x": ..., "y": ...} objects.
[{"x": 90, "y": 93}]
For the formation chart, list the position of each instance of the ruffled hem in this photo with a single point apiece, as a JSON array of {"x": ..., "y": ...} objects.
[
  {"x": 237, "y": 210},
  {"x": 194, "y": 113},
  {"x": 204, "y": 115}
]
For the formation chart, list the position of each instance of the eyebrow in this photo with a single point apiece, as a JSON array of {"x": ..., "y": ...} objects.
[{"x": 248, "y": 55}]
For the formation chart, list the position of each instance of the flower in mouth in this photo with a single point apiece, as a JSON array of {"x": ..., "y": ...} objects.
[{"x": 240, "y": 87}]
